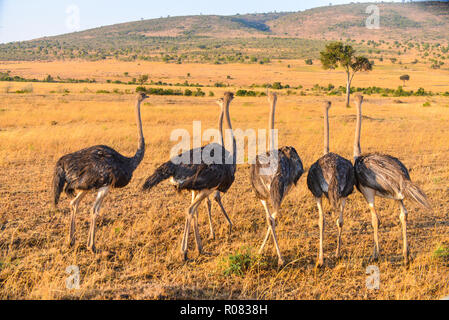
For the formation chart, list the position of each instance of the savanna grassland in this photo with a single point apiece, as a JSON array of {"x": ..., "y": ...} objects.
[{"x": 139, "y": 233}]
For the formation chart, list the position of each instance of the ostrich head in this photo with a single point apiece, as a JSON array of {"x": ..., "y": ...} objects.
[
  {"x": 220, "y": 102},
  {"x": 327, "y": 105},
  {"x": 141, "y": 96},
  {"x": 359, "y": 99},
  {"x": 272, "y": 97},
  {"x": 228, "y": 97}
]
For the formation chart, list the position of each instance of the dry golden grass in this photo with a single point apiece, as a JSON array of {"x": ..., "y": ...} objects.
[
  {"x": 139, "y": 233},
  {"x": 384, "y": 75}
]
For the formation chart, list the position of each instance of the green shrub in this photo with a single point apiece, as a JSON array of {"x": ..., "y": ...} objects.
[
  {"x": 238, "y": 263},
  {"x": 249, "y": 93},
  {"x": 63, "y": 90},
  {"x": 26, "y": 89},
  {"x": 169, "y": 92},
  {"x": 199, "y": 93},
  {"x": 277, "y": 86},
  {"x": 441, "y": 252},
  {"x": 143, "y": 78},
  {"x": 49, "y": 78}
]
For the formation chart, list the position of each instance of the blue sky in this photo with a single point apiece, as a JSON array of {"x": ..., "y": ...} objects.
[{"x": 29, "y": 19}]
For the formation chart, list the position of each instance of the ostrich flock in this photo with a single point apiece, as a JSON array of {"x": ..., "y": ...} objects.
[{"x": 100, "y": 168}]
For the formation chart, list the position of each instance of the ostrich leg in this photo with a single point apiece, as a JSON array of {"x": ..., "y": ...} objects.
[
  {"x": 94, "y": 214},
  {"x": 267, "y": 235},
  {"x": 319, "y": 202},
  {"x": 217, "y": 198},
  {"x": 375, "y": 223},
  {"x": 271, "y": 221},
  {"x": 369, "y": 195},
  {"x": 74, "y": 204},
  {"x": 191, "y": 212},
  {"x": 340, "y": 227},
  {"x": 209, "y": 212},
  {"x": 403, "y": 218}
]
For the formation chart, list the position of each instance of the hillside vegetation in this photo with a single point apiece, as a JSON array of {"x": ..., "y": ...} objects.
[{"x": 250, "y": 38}]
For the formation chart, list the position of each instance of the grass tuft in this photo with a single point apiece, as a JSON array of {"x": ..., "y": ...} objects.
[
  {"x": 441, "y": 252},
  {"x": 238, "y": 263}
]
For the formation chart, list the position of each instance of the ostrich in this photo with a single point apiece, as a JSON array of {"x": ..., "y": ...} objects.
[
  {"x": 217, "y": 196},
  {"x": 202, "y": 179},
  {"x": 97, "y": 168},
  {"x": 386, "y": 177},
  {"x": 331, "y": 176},
  {"x": 271, "y": 186}
]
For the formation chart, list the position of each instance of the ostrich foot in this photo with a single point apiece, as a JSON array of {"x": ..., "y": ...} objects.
[
  {"x": 338, "y": 255},
  {"x": 184, "y": 256},
  {"x": 91, "y": 247},
  {"x": 281, "y": 262},
  {"x": 205, "y": 253},
  {"x": 71, "y": 242},
  {"x": 374, "y": 258}
]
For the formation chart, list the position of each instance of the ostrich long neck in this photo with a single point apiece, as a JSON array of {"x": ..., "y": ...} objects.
[
  {"x": 358, "y": 129},
  {"x": 271, "y": 124},
  {"x": 326, "y": 130},
  {"x": 234, "y": 143},
  {"x": 137, "y": 159},
  {"x": 220, "y": 125}
]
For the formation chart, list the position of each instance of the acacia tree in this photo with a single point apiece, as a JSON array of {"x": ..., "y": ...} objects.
[
  {"x": 337, "y": 55},
  {"x": 143, "y": 79},
  {"x": 404, "y": 78}
]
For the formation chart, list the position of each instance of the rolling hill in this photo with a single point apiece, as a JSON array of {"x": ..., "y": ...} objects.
[
  {"x": 418, "y": 20},
  {"x": 216, "y": 38}
]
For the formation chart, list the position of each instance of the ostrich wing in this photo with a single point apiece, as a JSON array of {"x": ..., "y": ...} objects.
[
  {"x": 202, "y": 176},
  {"x": 205, "y": 177},
  {"x": 345, "y": 176},
  {"x": 96, "y": 167},
  {"x": 316, "y": 181},
  {"x": 276, "y": 185},
  {"x": 383, "y": 173},
  {"x": 325, "y": 169}
]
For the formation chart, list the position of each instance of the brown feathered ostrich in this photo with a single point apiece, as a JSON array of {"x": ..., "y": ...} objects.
[
  {"x": 97, "y": 169},
  {"x": 386, "y": 177},
  {"x": 217, "y": 196},
  {"x": 202, "y": 179},
  {"x": 272, "y": 183},
  {"x": 331, "y": 176}
]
